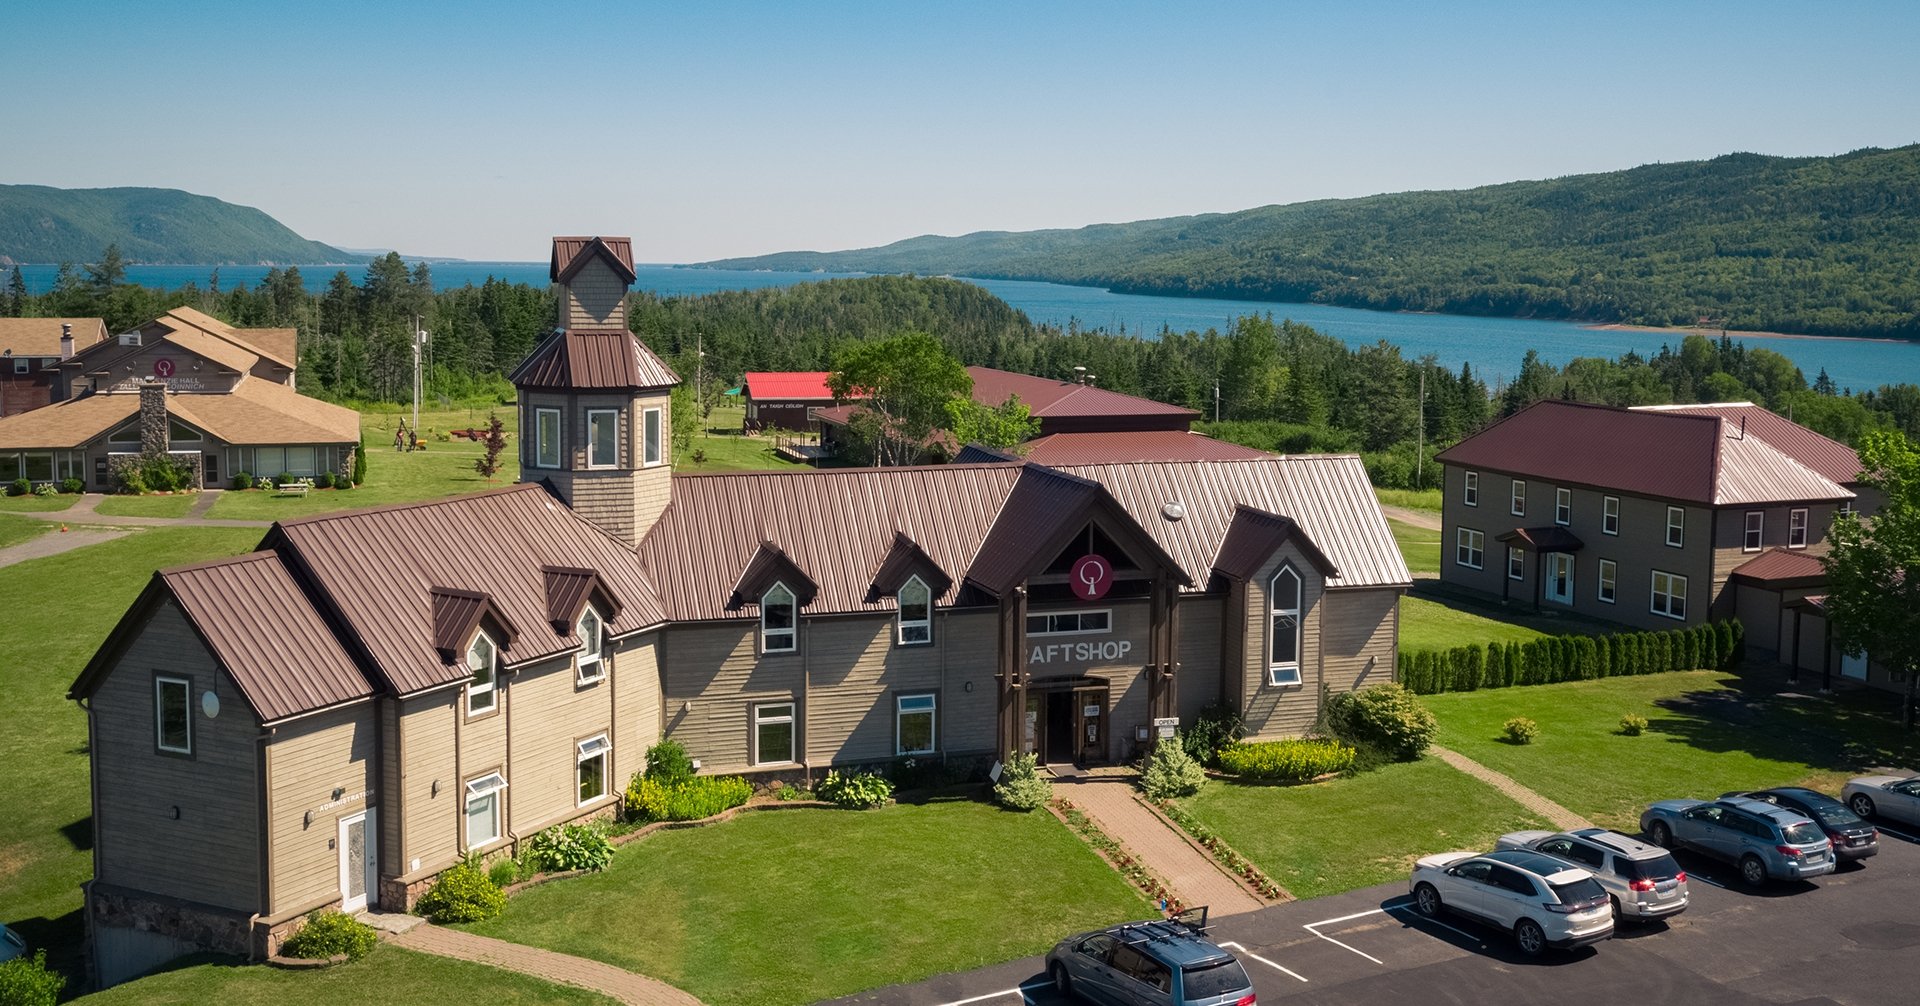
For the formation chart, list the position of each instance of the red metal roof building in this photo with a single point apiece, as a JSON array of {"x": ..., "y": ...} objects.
[{"x": 785, "y": 400}]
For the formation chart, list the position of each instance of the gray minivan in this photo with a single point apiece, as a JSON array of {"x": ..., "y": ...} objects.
[
  {"x": 1163, "y": 962},
  {"x": 1762, "y": 839}
]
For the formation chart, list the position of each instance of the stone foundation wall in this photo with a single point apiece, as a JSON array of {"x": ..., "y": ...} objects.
[{"x": 205, "y": 927}]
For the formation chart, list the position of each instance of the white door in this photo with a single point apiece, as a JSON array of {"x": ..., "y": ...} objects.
[
  {"x": 1559, "y": 585},
  {"x": 1853, "y": 667},
  {"x": 358, "y": 883}
]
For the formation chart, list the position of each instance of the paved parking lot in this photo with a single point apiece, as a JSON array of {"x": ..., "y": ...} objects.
[{"x": 1850, "y": 938}]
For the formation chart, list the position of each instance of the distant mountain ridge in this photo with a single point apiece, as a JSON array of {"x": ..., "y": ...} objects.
[
  {"x": 42, "y": 224},
  {"x": 1818, "y": 245}
]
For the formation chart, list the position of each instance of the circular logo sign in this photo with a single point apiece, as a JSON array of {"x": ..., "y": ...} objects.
[
  {"x": 163, "y": 367},
  {"x": 1092, "y": 577}
]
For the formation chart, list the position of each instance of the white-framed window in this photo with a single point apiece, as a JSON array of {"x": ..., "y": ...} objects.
[
  {"x": 1519, "y": 500},
  {"x": 1516, "y": 563},
  {"x": 603, "y": 438},
  {"x": 1676, "y": 527},
  {"x": 172, "y": 715},
  {"x": 773, "y": 733},
  {"x": 1797, "y": 528},
  {"x": 590, "y": 768},
  {"x": 125, "y": 436},
  {"x": 1469, "y": 548},
  {"x": 1610, "y": 515},
  {"x": 915, "y": 724},
  {"x": 1754, "y": 536},
  {"x": 1470, "y": 489},
  {"x": 915, "y": 601},
  {"x": 1283, "y": 627},
  {"x": 483, "y": 809},
  {"x": 777, "y": 633},
  {"x": 589, "y": 659},
  {"x": 1563, "y": 506},
  {"x": 483, "y": 662},
  {"x": 546, "y": 438},
  {"x": 22, "y": 364},
  {"x": 1067, "y": 623},
  {"x": 1846, "y": 508},
  {"x": 1609, "y": 575},
  {"x": 651, "y": 426},
  {"x": 1669, "y": 595}
]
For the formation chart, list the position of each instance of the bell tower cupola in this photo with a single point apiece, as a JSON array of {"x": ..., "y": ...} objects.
[{"x": 594, "y": 400}]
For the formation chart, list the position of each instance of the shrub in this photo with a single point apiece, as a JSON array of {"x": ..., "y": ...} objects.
[
  {"x": 570, "y": 847},
  {"x": 25, "y": 981},
  {"x": 44, "y": 489},
  {"x": 856, "y": 791},
  {"x": 503, "y": 872},
  {"x": 462, "y": 894},
  {"x": 1289, "y": 760},
  {"x": 1216, "y": 727},
  {"x": 1520, "y": 730},
  {"x": 1020, "y": 786},
  {"x": 695, "y": 798},
  {"x": 1633, "y": 724},
  {"x": 1387, "y": 717},
  {"x": 342, "y": 482},
  {"x": 329, "y": 933},
  {"x": 1171, "y": 772},
  {"x": 792, "y": 793},
  {"x": 360, "y": 461},
  {"x": 19, "y": 487},
  {"x": 71, "y": 486},
  {"x": 242, "y": 480},
  {"x": 668, "y": 764},
  {"x": 324, "y": 480},
  {"x": 162, "y": 473}
]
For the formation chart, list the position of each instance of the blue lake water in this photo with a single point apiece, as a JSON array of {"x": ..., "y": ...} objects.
[{"x": 1494, "y": 346}]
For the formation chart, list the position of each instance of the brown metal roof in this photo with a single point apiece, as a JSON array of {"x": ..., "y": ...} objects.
[
  {"x": 570, "y": 588},
  {"x": 1830, "y": 458},
  {"x": 594, "y": 360},
  {"x": 456, "y": 613},
  {"x": 1252, "y": 536},
  {"x": 1048, "y": 398},
  {"x": 1780, "y": 567},
  {"x": 905, "y": 559},
  {"x": 376, "y": 569},
  {"x": 771, "y": 565},
  {"x": 1552, "y": 538},
  {"x": 1138, "y": 445},
  {"x": 1665, "y": 454},
  {"x": 570, "y": 253},
  {"x": 267, "y": 634}
]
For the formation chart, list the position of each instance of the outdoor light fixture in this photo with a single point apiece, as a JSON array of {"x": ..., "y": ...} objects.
[{"x": 968, "y": 687}]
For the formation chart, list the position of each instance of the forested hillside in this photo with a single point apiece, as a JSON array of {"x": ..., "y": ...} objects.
[
  {"x": 1818, "y": 245},
  {"x": 48, "y": 225}
]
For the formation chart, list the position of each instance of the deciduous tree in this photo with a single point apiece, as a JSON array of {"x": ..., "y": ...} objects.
[
  {"x": 906, "y": 382},
  {"x": 1873, "y": 568}
]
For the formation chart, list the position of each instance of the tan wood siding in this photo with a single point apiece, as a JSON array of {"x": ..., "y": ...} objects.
[
  {"x": 309, "y": 761},
  {"x": 550, "y": 713},
  {"x": 594, "y": 298},
  {"x": 713, "y": 675},
  {"x": 636, "y": 698},
  {"x": 431, "y": 783},
  {"x": 209, "y": 852},
  {"x": 969, "y": 720},
  {"x": 1283, "y": 710},
  {"x": 1358, "y": 636},
  {"x": 1199, "y": 650}
]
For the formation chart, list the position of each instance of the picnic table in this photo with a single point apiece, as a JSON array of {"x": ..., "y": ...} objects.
[{"x": 291, "y": 489}]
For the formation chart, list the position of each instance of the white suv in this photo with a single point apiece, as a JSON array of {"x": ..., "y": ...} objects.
[{"x": 1542, "y": 901}]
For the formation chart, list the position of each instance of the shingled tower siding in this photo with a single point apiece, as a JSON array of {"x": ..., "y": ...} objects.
[
  {"x": 153, "y": 418},
  {"x": 596, "y": 297}
]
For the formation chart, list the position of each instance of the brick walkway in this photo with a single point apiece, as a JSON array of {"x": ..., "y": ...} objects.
[
  {"x": 562, "y": 969},
  {"x": 1195, "y": 876},
  {"x": 1562, "y": 818}
]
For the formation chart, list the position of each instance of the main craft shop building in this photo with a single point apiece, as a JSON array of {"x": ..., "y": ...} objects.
[{"x": 336, "y": 717}]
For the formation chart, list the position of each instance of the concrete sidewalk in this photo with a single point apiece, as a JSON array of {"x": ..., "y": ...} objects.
[
  {"x": 85, "y": 510},
  {"x": 561, "y": 969},
  {"x": 56, "y": 542},
  {"x": 1195, "y": 876}
]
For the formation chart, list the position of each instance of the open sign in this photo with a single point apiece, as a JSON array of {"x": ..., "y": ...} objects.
[{"x": 1092, "y": 577}]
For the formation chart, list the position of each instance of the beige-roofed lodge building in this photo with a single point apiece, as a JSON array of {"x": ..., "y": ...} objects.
[{"x": 337, "y": 717}]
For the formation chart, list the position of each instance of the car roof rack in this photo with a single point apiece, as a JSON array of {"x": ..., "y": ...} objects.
[{"x": 1191, "y": 922}]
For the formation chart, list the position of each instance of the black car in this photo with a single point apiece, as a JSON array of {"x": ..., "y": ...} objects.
[{"x": 1852, "y": 837}]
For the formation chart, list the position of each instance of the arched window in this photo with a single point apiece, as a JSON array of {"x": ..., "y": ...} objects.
[
  {"x": 776, "y": 620},
  {"x": 592, "y": 644},
  {"x": 483, "y": 663},
  {"x": 1283, "y": 621},
  {"x": 916, "y": 612}
]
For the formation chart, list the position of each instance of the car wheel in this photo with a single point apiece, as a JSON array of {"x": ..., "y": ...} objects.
[
  {"x": 1617, "y": 916},
  {"x": 1427, "y": 900},
  {"x": 1861, "y": 804},
  {"x": 1661, "y": 834},
  {"x": 1061, "y": 983},
  {"x": 1753, "y": 871},
  {"x": 1531, "y": 938}
]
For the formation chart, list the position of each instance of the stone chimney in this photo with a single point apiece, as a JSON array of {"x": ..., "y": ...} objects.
[
  {"x": 153, "y": 417},
  {"x": 66, "y": 340}
]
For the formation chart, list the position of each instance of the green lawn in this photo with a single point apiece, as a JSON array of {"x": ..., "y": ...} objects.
[
  {"x": 388, "y": 975},
  {"x": 37, "y": 504},
  {"x": 1706, "y": 738},
  {"x": 1420, "y": 546},
  {"x": 726, "y": 449},
  {"x": 1429, "y": 623},
  {"x": 796, "y": 906},
  {"x": 1335, "y": 836},
  {"x": 1412, "y": 499},
  {"x": 14, "y": 530},
  {"x": 58, "y": 610},
  {"x": 172, "y": 505}
]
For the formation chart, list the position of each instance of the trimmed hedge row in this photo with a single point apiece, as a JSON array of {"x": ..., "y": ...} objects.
[
  {"x": 1715, "y": 646},
  {"x": 1288, "y": 760}
]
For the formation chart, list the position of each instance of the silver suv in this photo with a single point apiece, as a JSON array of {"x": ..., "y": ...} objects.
[
  {"x": 1542, "y": 901},
  {"x": 1643, "y": 880},
  {"x": 1764, "y": 840}
]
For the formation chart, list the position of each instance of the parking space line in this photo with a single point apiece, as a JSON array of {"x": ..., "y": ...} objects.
[
  {"x": 1263, "y": 960},
  {"x": 1707, "y": 881},
  {"x": 1475, "y": 937},
  {"x": 1346, "y": 918},
  {"x": 1019, "y": 990}
]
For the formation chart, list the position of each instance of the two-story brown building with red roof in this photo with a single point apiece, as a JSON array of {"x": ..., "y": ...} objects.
[{"x": 335, "y": 718}]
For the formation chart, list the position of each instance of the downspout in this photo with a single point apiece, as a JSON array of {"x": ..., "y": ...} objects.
[
  {"x": 506, "y": 724},
  {"x": 264, "y": 849},
  {"x": 93, "y": 794},
  {"x": 459, "y": 773},
  {"x": 806, "y": 702}
]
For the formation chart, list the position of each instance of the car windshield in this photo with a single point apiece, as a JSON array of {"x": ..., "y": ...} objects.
[
  {"x": 1579, "y": 891},
  {"x": 1802, "y": 832},
  {"x": 1657, "y": 868},
  {"x": 1204, "y": 981}
]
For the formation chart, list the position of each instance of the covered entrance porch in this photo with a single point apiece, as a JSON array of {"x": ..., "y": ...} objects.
[{"x": 1065, "y": 721}]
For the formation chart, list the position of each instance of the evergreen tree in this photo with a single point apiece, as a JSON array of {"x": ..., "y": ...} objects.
[
  {"x": 107, "y": 274},
  {"x": 16, "y": 299}
]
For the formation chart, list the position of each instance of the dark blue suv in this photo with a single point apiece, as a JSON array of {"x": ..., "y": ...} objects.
[{"x": 1165, "y": 962}]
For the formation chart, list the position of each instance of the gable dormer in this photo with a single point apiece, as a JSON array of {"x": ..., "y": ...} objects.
[{"x": 593, "y": 274}]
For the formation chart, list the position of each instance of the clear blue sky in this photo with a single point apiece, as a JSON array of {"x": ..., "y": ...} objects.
[{"x": 480, "y": 129}]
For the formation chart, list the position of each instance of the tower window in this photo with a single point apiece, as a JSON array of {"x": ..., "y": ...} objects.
[
  {"x": 653, "y": 437},
  {"x": 603, "y": 438}
]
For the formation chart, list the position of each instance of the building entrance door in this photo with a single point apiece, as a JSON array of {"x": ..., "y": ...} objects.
[
  {"x": 1559, "y": 585},
  {"x": 357, "y": 866},
  {"x": 1060, "y": 747}
]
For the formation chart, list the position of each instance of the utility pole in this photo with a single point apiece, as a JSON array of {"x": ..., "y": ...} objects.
[
  {"x": 1216, "y": 401},
  {"x": 419, "y": 340}
]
